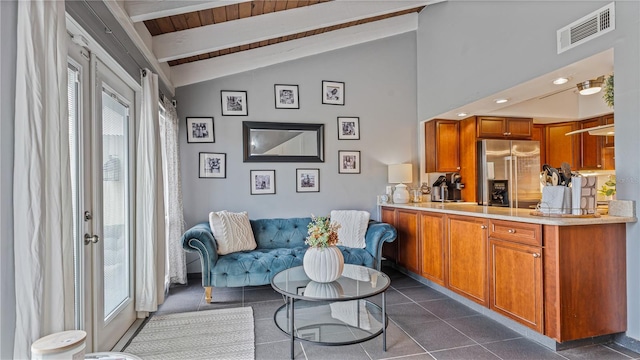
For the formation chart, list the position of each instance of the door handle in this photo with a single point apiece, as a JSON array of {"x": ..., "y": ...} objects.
[{"x": 90, "y": 239}]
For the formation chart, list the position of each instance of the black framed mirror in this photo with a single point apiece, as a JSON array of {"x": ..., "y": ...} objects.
[{"x": 282, "y": 142}]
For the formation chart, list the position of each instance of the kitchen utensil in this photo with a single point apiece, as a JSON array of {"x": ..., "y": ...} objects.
[
  {"x": 566, "y": 172},
  {"x": 555, "y": 176}
]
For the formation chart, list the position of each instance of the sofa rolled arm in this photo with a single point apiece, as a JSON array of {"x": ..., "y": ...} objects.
[
  {"x": 200, "y": 239},
  {"x": 377, "y": 234}
]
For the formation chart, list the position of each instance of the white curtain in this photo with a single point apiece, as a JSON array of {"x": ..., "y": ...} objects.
[
  {"x": 42, "y": 210},
  {"x": 149, "y": 201},
  {"x": 174, "y": 218}
]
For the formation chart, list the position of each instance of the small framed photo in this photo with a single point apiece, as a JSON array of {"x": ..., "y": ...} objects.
[
  {"x": 234, "y": 103},
  {"x": 286, "y": 96},
  {"x": 348, "y": 162},
  {"x": 307, "y": 180},
  {"x": 212, "y": 165},
  {"x": 263, "y": 182},
  {"x": 348, "y": 128},
  {"x": 200, "y": 130},
  {"x": 332, "y": 92}
]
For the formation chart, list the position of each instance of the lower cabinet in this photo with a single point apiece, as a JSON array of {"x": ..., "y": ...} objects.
[
  {"x": 516, "y": 282},
  {"x": 432, "y": 246},
  {"x": 408, "y": 242},
  {"x": 515, "y": 272},
  {"x": 389, "y": 250},
  {"x": 566, "y": 282},
  {"x": 467, "y": 257}
]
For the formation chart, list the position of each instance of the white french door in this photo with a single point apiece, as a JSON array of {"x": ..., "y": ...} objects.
[{"x": 101, "y": 119}]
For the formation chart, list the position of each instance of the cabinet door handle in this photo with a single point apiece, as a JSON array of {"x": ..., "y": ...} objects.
[
  {"x": 536, "y": 255},
  {"x": 483, "y": 226},
  {"x": 511, "y": 231}
]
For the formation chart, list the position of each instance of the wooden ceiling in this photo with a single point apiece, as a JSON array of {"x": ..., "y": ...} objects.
[
  {"x": 190, "y": 41},
  {"x": 245, "y": 10}
]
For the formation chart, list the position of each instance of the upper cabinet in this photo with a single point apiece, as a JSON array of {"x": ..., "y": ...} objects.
[
  {"x": 559, "y": 147},
  {"x": 489, "y": 127},
  {"x": 596, "y": 152},
  {"x": 442, "y": 145},
  {"x": 582, "y": 151}
]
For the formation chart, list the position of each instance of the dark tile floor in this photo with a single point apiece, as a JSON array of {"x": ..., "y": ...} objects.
[{"x": 424, "y": 324}]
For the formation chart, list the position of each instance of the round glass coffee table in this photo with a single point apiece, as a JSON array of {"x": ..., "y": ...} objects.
[{"x": 335, "y": 313}]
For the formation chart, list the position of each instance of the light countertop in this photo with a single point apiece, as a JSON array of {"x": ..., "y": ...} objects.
[{"x": 502, "y": 213}]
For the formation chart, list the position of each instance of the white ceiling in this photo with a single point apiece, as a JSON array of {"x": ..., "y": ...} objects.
[{"x": 545, "y": 102}]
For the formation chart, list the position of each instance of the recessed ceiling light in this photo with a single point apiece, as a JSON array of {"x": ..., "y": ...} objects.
[
  {"x": 560, "y": 81},
  {"x": 461, "y": 114},
  {"x": 501, "y": 101}
]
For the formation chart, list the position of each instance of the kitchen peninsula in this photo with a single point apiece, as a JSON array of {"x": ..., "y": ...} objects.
[{"x": 564, "y": 278}]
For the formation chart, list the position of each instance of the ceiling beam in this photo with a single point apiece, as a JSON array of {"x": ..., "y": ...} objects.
[
  {"x": 213, "y": 68},
  {"x": 205, "y": 39},
  {"x": 142, "y": 10}
]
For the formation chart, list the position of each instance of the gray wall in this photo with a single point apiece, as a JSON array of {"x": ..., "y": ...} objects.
[
  {"x": 8, "y": 14},
  {"x": 468, "y": 50},
  {"x": 380, "y": 87}
]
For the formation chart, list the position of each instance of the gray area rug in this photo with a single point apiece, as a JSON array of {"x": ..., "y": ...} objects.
[{"x": 212, "y": 334}]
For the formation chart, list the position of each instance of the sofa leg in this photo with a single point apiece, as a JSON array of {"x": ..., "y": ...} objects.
[{"x": 207, "y": 294}]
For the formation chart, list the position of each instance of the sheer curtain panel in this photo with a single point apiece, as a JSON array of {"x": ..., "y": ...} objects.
[
  {"x": 149, "y": 202},
  {"x": 42, "y": 216},
  {"x": 174, "y": 218}
]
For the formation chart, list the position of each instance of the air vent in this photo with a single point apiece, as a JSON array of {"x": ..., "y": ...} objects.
[{"x": 587, "y": 28}]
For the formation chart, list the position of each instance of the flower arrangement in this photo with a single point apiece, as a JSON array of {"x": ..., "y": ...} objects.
[{"x": 322, "y": 232}]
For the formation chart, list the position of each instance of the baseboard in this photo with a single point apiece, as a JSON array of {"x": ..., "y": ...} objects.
[
  {"x": 627, "y": 342},
  {"x": 517, "y": 327}
]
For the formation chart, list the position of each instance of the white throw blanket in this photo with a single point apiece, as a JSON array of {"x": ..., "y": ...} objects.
[{"x": 353, "y": 227}]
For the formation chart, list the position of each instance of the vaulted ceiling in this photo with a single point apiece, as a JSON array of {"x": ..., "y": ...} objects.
[{"x": 190, "y": 41}]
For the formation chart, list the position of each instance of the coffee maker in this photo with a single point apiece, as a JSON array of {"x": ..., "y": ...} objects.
[{"x": 447, "y": 188}]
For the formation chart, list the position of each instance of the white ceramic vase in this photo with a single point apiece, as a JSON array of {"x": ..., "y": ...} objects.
[{"x": 323, "y": 265}]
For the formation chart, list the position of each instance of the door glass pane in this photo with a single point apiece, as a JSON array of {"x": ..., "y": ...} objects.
[
  {"x": 73, "y": 104},
  {"x": 115, "y": 187}
]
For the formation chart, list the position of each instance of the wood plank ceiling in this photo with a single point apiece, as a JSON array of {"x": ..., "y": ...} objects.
[{"x": 250, "y": 9}]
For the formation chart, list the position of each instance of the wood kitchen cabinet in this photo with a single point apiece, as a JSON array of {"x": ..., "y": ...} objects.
[
  {"x": 609, "y": 141},
  {"x": 584, "y": 281},
  {"x": 389, "y": 250},
  {"x": 442, "y": 146},
  {"x": 515, "y": 272},
  {"x": 432, "y": 246},
  {"x": 539, "y": 134},
  {"x": 559, "y": 147},
  {"x": 590, "y": 146},
  {"x": 490, "y": 127},
  {"x": 467, "y": 257},
  {"x": 408, "y": 226}
]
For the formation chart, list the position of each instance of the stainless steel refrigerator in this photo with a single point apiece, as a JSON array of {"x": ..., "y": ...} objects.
[{"x": 509, "y": 173}]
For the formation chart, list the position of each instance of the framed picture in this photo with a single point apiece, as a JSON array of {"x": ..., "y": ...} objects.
[
  {"x": 234, "y": 103},
  {"x": 307, "y": 180},
  {"x": 332, "y": 92},
  {"x": 348, "y": 162},
  {"x": 212, "y": 165},
  {"x": 348, "y": 128},
  {"x": 263, "y": 182},
  {"x": 200, "y": 130},
  {"x": 286, "y": 96}
]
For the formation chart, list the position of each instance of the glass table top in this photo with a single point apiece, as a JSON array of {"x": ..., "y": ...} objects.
[{"x": 356, "y": 282}]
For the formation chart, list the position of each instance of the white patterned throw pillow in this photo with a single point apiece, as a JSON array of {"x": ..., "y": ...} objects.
[
  {"x": 353, "y": 227},
  {"x": 232, "y": 231}
]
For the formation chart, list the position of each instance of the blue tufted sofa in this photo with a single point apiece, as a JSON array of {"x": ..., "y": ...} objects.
[{"x": 280, "y": 246}]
